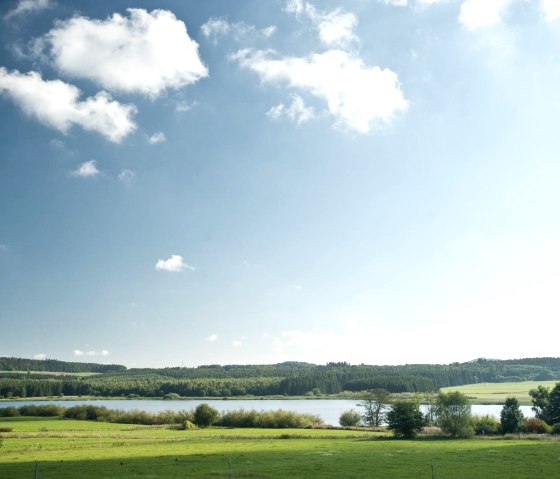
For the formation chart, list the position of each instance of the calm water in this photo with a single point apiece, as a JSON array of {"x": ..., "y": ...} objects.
[{"x": 328, "y": 409}]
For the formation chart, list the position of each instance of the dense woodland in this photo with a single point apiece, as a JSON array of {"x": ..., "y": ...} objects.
[{"x": 33, "y": 378}]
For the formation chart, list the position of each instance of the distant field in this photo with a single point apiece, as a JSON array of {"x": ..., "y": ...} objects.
[
  {"x": 70, "y": 449},
  {"x": 496, "y": 393}
]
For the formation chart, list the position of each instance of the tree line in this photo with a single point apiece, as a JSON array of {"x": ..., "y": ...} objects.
[{"x": 290, "y": 378}]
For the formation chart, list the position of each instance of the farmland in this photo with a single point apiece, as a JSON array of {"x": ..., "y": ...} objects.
[{"x": 65, "y": 448}]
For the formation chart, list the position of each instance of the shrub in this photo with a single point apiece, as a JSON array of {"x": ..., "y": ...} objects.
[
  {"x": 485, "y": 425},
  {"x": 555, "y": 429},
  {"x": 6, "y": 429},
  {"x": 205, "y": 415},
  {"x": 268, "y": 419},
  {"x": 350, "y": 418},
  {"x": 9, "y": 412},
  {"x": 454, "y": 414},
  {"x": 536, "y": 426}
]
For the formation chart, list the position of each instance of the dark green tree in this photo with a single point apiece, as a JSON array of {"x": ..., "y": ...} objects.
[
  {"x": 375, "y": 402},
  {"x": 205, "y": 415},
  {"x": 405, "y": 419},
  {"x": 546, "y": 403},
  {"x": 511, "y": 417},
  {"x": 454, "y": 414}
]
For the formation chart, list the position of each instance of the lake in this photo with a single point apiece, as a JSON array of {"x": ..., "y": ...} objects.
[{"x": 328, "y": 409}]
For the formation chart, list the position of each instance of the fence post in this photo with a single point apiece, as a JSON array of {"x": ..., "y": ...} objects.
[{"x": 36, "y": 470}]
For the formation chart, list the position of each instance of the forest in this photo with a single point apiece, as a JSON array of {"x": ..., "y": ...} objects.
[{"x": 25, "y": 378}]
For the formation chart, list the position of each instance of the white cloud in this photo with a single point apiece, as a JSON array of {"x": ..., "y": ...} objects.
[
  {"x": 237, "y": 343},
  {"x": 28, "y": 6},
  {"x": 156, "y": 138},
  {"x": 86, "y": 170},
  {"x": 212, "y": 338},
  {"x": 40, "y": 356},
  {"x": 360, "y": 98},
  {"x": 336, "y": 28},
  {"x": 184, "y": 106},
  {"x": 3, "y": 247},
  {"x": 217, "y": 27},
  {"x": 550, "y": 10},
  {"x": 297, "y": 111},
  {"x": 79, "y": 352},
  {"x": 482, "y": 13},
  {"x": 56, "y": 104},
  {"x": 147, "y": 52},
  {"x": 173, "y": 264}
]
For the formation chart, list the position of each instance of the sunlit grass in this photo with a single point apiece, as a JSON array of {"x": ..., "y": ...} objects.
[{"x": 496, "y": 393}]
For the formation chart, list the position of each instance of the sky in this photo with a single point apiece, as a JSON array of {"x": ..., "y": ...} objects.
[{"x": 217, "y": 182}]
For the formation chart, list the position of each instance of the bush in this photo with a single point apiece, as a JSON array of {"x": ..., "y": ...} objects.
[
  {"x": 555, "y": 429},
  {"x": 485, "y": 425},
  {"x": 536, "y": 426},
  {"x": 350, "y": 418},
  {"x": 454, "y": 414},
  {"x": 43, "y": 410},
  {"x": 9, "y": 412},
  {"x": 268, "y": 419},
  {"x": 6, "y": 429},
  {"x": 205, "y": 415}
]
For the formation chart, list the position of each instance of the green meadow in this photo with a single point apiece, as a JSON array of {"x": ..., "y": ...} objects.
[
  {"x": 65, "y": 448},
  {"x": 496, "y": 393}
]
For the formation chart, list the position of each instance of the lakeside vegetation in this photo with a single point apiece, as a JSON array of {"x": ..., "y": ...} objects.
[
  {"x": 65, "y": 448},
  {"x": 284, "y": 379}
]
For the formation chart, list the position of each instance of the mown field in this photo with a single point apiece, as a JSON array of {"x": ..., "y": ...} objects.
[
  {"x": 496, "y": 393},
  {"x": 72, "y": 449}
]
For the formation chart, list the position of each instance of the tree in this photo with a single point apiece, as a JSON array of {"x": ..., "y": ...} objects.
[
  {"x": 205, "y": 415},
  {"x": 405, "y": 419},
  {"x": 454, "y": 414},
  {"x": 375, "y": 402},
  {"x": 349, "y": 418},
  {"x": 511, "y": 417},
  {"x": 546, "y": 403}
]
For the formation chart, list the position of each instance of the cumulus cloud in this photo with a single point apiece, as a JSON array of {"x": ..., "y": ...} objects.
[
  {"x": 297, "y": 111},
  {"x": 146, "y": 52},
  {"x": 86, "y": 170},
  {"x": 482, "y": 13},
  {"x": 57, "y": 105},
  {"x": 359, "y": 97},
  {"x": 212, "y": 338},
  {"x": 173, "y": 264},
  {"x": 158, "y": 137},
  {"x": 40, "y": 356},
  {"x": 218, "y": 27},
  {"x": 336, "y": 28},
  {"x": 79, "y": 352},
  {"x": 25, "y": 7}
]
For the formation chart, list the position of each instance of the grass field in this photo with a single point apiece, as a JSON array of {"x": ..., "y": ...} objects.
[
  {"x": 496, "y": 393},
  {"x": 81, "y": 449}
]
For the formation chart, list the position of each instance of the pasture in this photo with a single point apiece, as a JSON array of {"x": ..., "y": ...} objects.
[
  {"x": 496, "y": 393},
  {"x": 68, "y": 449}
]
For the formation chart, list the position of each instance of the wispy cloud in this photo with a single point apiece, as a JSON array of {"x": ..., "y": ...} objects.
[
  {"x": 212, "y": 338},
  {"x": 297, "y": 111},
  {"x": 128, "y": 177},
  {"x": 158, "y": 137},
  {"x": 87, "y": 169},
  {"x": 217, "y": 27},
  {"x": 40, "y": 356},
  {"x": 25, "y": 7},
  {"x": 173, "y": 264},
  {"x": 56, "y": 104},
  {"x": 79, "y": 352}
]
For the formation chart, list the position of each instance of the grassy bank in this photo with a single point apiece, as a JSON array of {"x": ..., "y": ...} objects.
[
  {"x": 496, "y": 393},
  {"x": 69, "y": 449}
]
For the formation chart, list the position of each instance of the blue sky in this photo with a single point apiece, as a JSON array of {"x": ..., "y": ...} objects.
[{"x": 190, "y": 182}]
